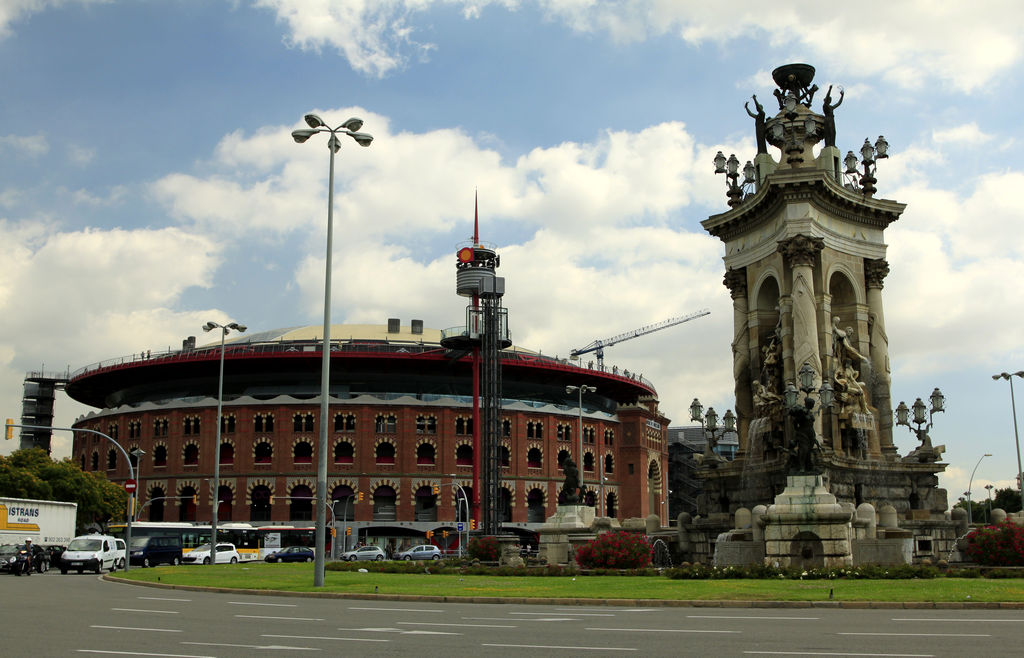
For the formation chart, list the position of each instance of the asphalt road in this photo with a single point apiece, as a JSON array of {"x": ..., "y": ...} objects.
[{"x": 82, "y": 615}]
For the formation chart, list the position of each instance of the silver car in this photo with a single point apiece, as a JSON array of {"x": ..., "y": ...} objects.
[
  {"x": 422, "y": 552},
  {"x": 364, "y": 553}
]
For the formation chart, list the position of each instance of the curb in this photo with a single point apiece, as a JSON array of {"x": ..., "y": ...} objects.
[{"x": 623, "y": 603}]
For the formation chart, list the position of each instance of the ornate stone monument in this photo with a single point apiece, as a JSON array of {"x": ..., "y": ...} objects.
[{"x": 805, "y": 266}]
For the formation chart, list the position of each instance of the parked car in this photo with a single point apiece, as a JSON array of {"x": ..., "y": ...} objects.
[
  {"x": 54, "y": 553},
  {"x": 9, "y": 561},
  {"x": 364, "y": 553},
  {"x": 292, "y": 554},
  {"x": 122, "y": 551},
  {"x": 151, "y": 551},
  {"x": 422, "y": 552},
  {"x": 226, "y": 554}
]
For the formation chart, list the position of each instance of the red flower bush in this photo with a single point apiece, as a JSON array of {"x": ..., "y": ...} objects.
[
  {"x": 615, "y": 550},
  {"x": 997, "y": 545},
  {"x": 485, "y": 549}
]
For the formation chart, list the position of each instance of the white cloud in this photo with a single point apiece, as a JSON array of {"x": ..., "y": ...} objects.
[
  {"x": 34, "y": 146},
  {"x": 968, "y": 134}
]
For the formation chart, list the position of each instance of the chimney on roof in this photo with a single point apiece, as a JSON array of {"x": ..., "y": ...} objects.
[
  {"x": 394, "y": 325},
  {"x": 417, "y": 326}
]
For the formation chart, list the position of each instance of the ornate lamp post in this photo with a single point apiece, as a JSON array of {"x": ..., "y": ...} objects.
[
  {"x": 970, "y": 484},
  {"x": 988, "y": 517},
  {"x": 869, "y": 156},
  {"x": 581, "y": 389},
  {"x": 709, "y": 426},
  {"x": 350, "y": 128},
  {"x": 215, "y": 484},
  {"x": 733, "y": 189},
  {"x": 1013, "y": 405},
  {"x": 922, "y": 416}
]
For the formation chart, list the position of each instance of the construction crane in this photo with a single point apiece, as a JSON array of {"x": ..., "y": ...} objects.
[{"x": 598, "y": 345}]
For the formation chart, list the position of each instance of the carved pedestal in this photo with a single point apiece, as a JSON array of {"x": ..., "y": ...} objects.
[
  {"x": 806, "y": 527},
  {"x": 555, "y": 533}
]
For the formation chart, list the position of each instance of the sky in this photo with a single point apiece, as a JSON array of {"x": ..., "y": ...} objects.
[{"x": 149, "y": 183}]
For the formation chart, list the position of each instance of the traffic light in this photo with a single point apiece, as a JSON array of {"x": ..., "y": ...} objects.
[
  {"x": 436, "y": 489},
  {"x": 334, "y": 532},
  {"x": 195, "y": 499},
  {"x": 430, "y": 534},
  {"x": 444, "y": 533},
  {"x": 360, "y": 498},
  {"x": 348, "y": 531},
  {"x": 271, "y": 500},
  {"x": 472, "y": 524},
  {"x": 9, "y": 434}
]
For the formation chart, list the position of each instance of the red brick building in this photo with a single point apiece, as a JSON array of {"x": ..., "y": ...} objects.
[{"x": 401, "y": 428}]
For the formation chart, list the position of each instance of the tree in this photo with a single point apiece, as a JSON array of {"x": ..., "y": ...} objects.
[
  {"x": 31, "y": 473},
  {"x": 1007, "y": 500}
]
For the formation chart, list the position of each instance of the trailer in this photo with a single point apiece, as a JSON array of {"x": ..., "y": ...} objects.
[{"x": 46, "y": 522}]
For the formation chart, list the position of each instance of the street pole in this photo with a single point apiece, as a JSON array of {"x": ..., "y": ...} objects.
[
  {"x": 583, "y": 388},
  {"x": 316, "y": 125},
  {"x": 970, "y": 483}
]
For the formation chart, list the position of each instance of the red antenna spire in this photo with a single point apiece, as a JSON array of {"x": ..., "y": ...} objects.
[{"x": 476, "y": 217}]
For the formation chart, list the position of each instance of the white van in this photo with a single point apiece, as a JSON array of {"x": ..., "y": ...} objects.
[{"x": 92, "y": 553}]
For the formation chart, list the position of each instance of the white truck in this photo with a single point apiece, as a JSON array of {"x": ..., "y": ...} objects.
[{"x": 46, "y": 522}]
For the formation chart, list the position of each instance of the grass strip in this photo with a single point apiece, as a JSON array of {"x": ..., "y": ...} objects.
[{"x": 299, "y": 578}]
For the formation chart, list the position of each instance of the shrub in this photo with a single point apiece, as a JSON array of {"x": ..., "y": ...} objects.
[
  {"x": 615, "y": 550},
  {"x": 485, "y": 549},
  {"x": 997, "y": 545}
]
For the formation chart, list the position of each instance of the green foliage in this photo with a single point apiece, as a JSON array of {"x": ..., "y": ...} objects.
[
  {"x": 485, "y": 549},
  {"x": 761, "y": 572},
  {"x": 615, "y": 550},
  {"x": 31, "y": 473},
  {"x": 997, "y": 545},
  {"x": 1007, "y": 500}
]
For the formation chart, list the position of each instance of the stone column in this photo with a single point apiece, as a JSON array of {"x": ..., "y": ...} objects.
[
  {"x": 875, "y": 272},
  {"x": 800, "y": 253},
  {"x": 736, "y": 281}
]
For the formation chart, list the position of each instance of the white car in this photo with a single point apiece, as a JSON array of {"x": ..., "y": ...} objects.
[
  {"x": 226, "y": 554},
  {"x": 422, "y": 552},
  {"x": 364, "y": 553},
  {"x": 121, "y": 553}
]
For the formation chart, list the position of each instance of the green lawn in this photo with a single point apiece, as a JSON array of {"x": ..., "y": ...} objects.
[{"x": 299, "y": 578}]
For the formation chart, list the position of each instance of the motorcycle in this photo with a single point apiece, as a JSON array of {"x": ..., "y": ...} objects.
[{"x": 21, "y": 563}]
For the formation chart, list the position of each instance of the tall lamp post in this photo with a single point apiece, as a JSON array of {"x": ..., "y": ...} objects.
[
  {"x": 215, "y": 484},
  {"x": 350, "y": 128},
  {"x": 581, "y": 389},
  {"x": 970, "y": 483},
  {"x": 709, "y": 423},
  {"x": 938, "y": 401},
  {"x": 988, "y": 517},
  {"x": 1020, "y": 473}
]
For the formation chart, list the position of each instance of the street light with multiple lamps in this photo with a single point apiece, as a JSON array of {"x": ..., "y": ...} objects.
[
  {"x": 709, "y": 423},
  {"x": 215, "y": 485},
  {"x": 581, "y": 389},
  {"x": 988, "y": 517},
  {"x": 970, "y": 483},
  {"x": 938, "y": 400},
  {"x": 1013, "y": 404},
  {"x": 350, "y": 128}
]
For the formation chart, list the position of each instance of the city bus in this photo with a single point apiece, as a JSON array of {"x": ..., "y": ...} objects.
[{"x": 252, "y": 543}]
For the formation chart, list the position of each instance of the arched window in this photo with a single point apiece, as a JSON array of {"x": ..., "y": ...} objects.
[
  {"x": 386, "y": 424},
  {"x": 224, "y": 499},
  {"x": 300, "y": 506},
  {"x": 562, "y": 456},
  {"x": 227, "y": 453},
  {"x": 426, "y": 425},
  {"x": 95, "y": 461},
  {"x": 385, "y": 453},
  {"x": 609, "y": 437},
  {"x": 588, "y": 462},
  {"x": 263, "y": 423},
  {"x": 160, "y": 455},
  {"x": 186, "y": 508},
  {"x": 191, "y": 455},
  {"x": 227, "y": 424},
  {"x": 344, "y": 423},
  {"x": 112, "y": 459},
  {"x": 259, "y": 503},
  {"x": 263, "y": 454},
  {"x": 156, "y": 508},
  {"x": 303, "y": 452},
  {"x": 426, "y": 454},
  {"x": 609, "y": 464},
  {"x": 464, "y": 455},
  {"x": 534, "y": 458},
  {"x": 344, "y": 453},
  {"x": 506, "y": 427},
  {"x": 426, "y": 504},
  {"x": 611, "y": 506},
  {"x": 343, "y": 499},
  {"x": 384, "y": 504},
  {"x": 504, "y": 457},
  {"x": 505, "y": 504},
  {"x": 535, "y": 512},
  {"x": 463, "y": 426}
]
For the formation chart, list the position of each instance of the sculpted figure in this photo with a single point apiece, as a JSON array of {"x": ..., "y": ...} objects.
[
  {"x": 571, "y": 486},
  {"x": 804, "y": 450},
  {"x": 766, "y": 403},
  {"x": 759, "y": 129},
  {"x": 845, "y": 351},
  {"x": 828, "y": 109}
]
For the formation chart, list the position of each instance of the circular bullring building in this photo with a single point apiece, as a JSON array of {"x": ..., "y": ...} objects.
[{"x": 400, "y": 431}]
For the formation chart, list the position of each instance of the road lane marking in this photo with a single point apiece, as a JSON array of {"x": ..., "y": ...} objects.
[
  {"x": 397, "y": 609},
  {"x": 276, "y": 605},
  {"x": 430, "y": 623},
  {"x": 159, "y": 612},
  {"x": 923, "y": 634},
  {"x": 324, "y": 637},
  {"x": 136, "y": 653},
  {"x": 517, "y": 620},
  {"x": 660, "y": 630},
  {"x": 161, "y": 598},
  {"x": 272, "y": 617},
  {"x": 751, "y": 617},
  {"x": 267, "y": 647},
  {"x": 574, "y": 614},
  {"x": 546, "y": 646},
  {"x": 955, "y": 621},
  {"x": 132, "y": 628},
  {"x": 385, "y": 629},
  {"x": 826, "y": 653}
]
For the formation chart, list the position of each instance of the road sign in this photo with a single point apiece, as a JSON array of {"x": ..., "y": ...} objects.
[
  {"x": 130, "y": 485},
  {"x": 458, "y": 527}
]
